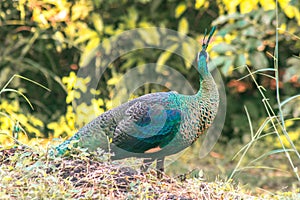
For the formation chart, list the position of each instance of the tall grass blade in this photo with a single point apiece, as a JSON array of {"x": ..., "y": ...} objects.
[
  {"x": 20, "y": 93},
  {"x": 289, "y": 99}
]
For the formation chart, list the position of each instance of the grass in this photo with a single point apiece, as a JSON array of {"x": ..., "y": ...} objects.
[
  {"x": 276, "y": 122},
  {"x": 267, "y": 175},
  {"x": 5, "y": 88},
  {"x": 27, "y": 174}
]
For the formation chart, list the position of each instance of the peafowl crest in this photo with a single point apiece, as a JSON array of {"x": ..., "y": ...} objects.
[{"x": 154, "y": 125}]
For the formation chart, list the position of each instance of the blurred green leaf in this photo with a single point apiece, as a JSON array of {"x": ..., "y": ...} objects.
[
  {"x": 155, "y": 5},
  {"x": 252, "y": 44},
  {"x": 228, "y": 62},
  {"x": 242, "y": 23},
  {"x": 240, "y": 60},
  {"x": 268, "y": 16},
  {"x": 222, "y": 48},
  {"x": 224, "y": 18},
  {"x": 258, "y": 59},
  {"x": 249, "y": 31},
  {"x": 293, "y": 69},
  {"x": 219, "y": 61}
]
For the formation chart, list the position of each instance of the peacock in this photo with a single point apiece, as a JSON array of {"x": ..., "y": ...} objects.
[{"x": 154, "y": 125}]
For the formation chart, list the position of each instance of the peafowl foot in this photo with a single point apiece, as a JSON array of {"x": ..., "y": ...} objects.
[
  {"x": 146, "y": 164},
  {"x": 159, "y": 166}
]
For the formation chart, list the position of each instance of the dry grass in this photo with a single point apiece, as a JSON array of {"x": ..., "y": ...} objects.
[{"x": 25, "y": 174}]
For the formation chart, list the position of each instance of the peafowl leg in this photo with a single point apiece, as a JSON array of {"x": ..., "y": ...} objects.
[
  {"x": 146, "y": 164},
  {"x": 160, "y": 167}
]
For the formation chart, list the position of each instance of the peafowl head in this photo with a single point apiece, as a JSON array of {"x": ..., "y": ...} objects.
[{"x": 203, "y": 57}]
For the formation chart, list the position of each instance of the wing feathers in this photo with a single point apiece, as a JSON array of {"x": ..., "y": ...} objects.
[{"x": 145, "y": 127}]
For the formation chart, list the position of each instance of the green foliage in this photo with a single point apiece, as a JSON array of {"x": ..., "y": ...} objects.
[{"x": 251, "y": 41}]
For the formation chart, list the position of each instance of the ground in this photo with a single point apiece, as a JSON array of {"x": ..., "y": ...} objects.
[{"x": 27, "y": 174}]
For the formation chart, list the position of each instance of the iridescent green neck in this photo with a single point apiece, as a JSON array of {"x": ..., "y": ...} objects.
[
  {"x": 206, "y": 80},
  {"x": 202, "y": 65}
]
